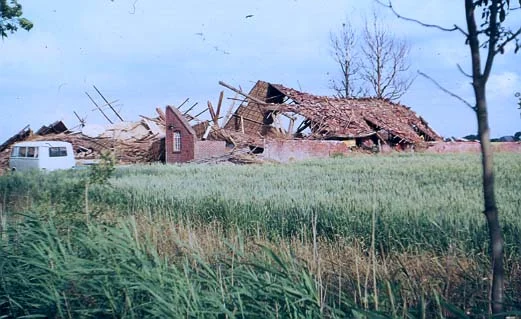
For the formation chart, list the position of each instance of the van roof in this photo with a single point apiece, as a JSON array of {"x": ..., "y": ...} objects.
[{"x": 43, "y": 143}]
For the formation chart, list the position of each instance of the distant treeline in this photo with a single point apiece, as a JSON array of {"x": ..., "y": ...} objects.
[{"x": 507, "y": 138}]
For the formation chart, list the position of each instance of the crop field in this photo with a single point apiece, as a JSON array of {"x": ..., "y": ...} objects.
[{"x": 361, "y": 237}]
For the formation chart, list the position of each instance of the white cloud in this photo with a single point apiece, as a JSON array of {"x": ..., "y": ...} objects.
[{"x": 155, "y": 55}]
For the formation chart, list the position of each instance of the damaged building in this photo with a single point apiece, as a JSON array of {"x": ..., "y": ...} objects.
[
  {"x": 274, "y": 111},
  {"x": 272, "y": 121},
  {"x": 184, "y": 144}
]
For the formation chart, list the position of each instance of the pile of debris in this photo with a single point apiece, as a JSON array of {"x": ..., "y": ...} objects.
[{"x": 131, "y": 142}]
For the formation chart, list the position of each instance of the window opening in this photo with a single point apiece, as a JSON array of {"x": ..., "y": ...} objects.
[{"x": 177, "y": 141}]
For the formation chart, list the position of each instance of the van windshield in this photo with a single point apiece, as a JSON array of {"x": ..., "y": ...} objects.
[{"x": 57, "y": 151}]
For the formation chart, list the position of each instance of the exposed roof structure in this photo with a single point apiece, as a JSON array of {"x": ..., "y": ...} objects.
[{"x": 329, "y": 117}]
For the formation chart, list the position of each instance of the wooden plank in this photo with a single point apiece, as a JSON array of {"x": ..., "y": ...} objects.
[
  {"x": 212, "y": 112},
  {"x": 221, "y": 96},
  {"x": 291, "y": 124},
  {"x": 161, "y": 113},
  {"x": 254, "y": 99}
]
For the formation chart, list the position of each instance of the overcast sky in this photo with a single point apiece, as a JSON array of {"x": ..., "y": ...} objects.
[{"x": 150, "y": 53}]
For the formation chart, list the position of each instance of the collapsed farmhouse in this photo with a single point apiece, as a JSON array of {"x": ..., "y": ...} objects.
[{"x": 271, "y": 122}]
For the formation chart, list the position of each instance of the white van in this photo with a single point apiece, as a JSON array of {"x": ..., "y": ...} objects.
[{"x": 44, "y": 155}]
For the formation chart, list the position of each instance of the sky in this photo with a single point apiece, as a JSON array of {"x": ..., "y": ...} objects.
[{"x": 152, "y": 53}]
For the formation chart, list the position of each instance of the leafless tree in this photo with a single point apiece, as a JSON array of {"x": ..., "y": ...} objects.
[
  {"x": 385, "y": 61},
  {"x": 344, "y": 52},
  {"x": 487, "y": 34},
  {"x": 372, "y": 61}
]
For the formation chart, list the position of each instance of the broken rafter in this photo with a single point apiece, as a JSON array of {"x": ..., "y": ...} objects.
[
  {"x": 181, "y": 105},
  {"x": 99, "y": 108},
  {"x": 214, "y": 115},
  {"x": 254, "y": 99},
  {"x": 104, "y": 99},
  {"x": 190, "y": 108},
  {"x": 197, "y": 115},
  {"x": 220, "y": 103},
  {"x": 161, "y": 114},
  {"x": 230, "y": 109},
  {"x": 247, "y": 119}
]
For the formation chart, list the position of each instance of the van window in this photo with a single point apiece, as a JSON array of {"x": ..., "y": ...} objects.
[
  {"x": 15, "y": 152},
  {"x": 32, "y": 152},
  {"x": 57, "y": 151},
  {"x": 23, "y": 151}
]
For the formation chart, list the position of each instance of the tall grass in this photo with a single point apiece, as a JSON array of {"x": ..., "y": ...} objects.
[
  {"x": 118, "y": 272},
  {"x": 393, "y": 236},
  {"x": 421, "y": 202}
]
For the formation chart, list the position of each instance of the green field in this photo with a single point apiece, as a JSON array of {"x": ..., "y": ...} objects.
[{"x": 399, "y": 235}]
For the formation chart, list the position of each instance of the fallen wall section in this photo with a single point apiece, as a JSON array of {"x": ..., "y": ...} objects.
[{"x": 296, "y": 150}]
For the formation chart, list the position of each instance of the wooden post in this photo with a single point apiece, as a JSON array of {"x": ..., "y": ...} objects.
[
  {"x": 290, "y": 127},
  {"x": 99, "y": 108},
  {"x": 108, "y": 103}
]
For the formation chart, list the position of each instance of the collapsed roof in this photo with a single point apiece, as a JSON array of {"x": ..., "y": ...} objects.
[{"x": 329, "y": 118}]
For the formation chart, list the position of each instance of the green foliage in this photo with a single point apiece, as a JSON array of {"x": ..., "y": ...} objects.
[
  {"x": 107, "y": 272},
  {"x": 426, "y": 201},
  {"x": 423, "y": 204},
  {"x": 504, "y": 33},
  {"x": 11, "y": 18},
  {"x": 101, "y": 172}
]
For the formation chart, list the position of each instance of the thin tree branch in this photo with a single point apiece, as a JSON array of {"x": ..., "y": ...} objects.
[
  {"x": 428, "y": 25},
  {"x": 463, "y": 71},
  {"x": 454, "y": 95}
]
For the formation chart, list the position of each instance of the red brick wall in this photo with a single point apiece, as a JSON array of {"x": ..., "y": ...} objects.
[
  {"x": 292, "y": 150},
  {"x": 188, "y": 139},
  {"x": 207, "y": 149}
]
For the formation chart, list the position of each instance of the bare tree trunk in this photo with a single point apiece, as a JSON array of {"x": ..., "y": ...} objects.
[
  {"x": 491, "y": 211},
  {"x": 479, "y": 82}
]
